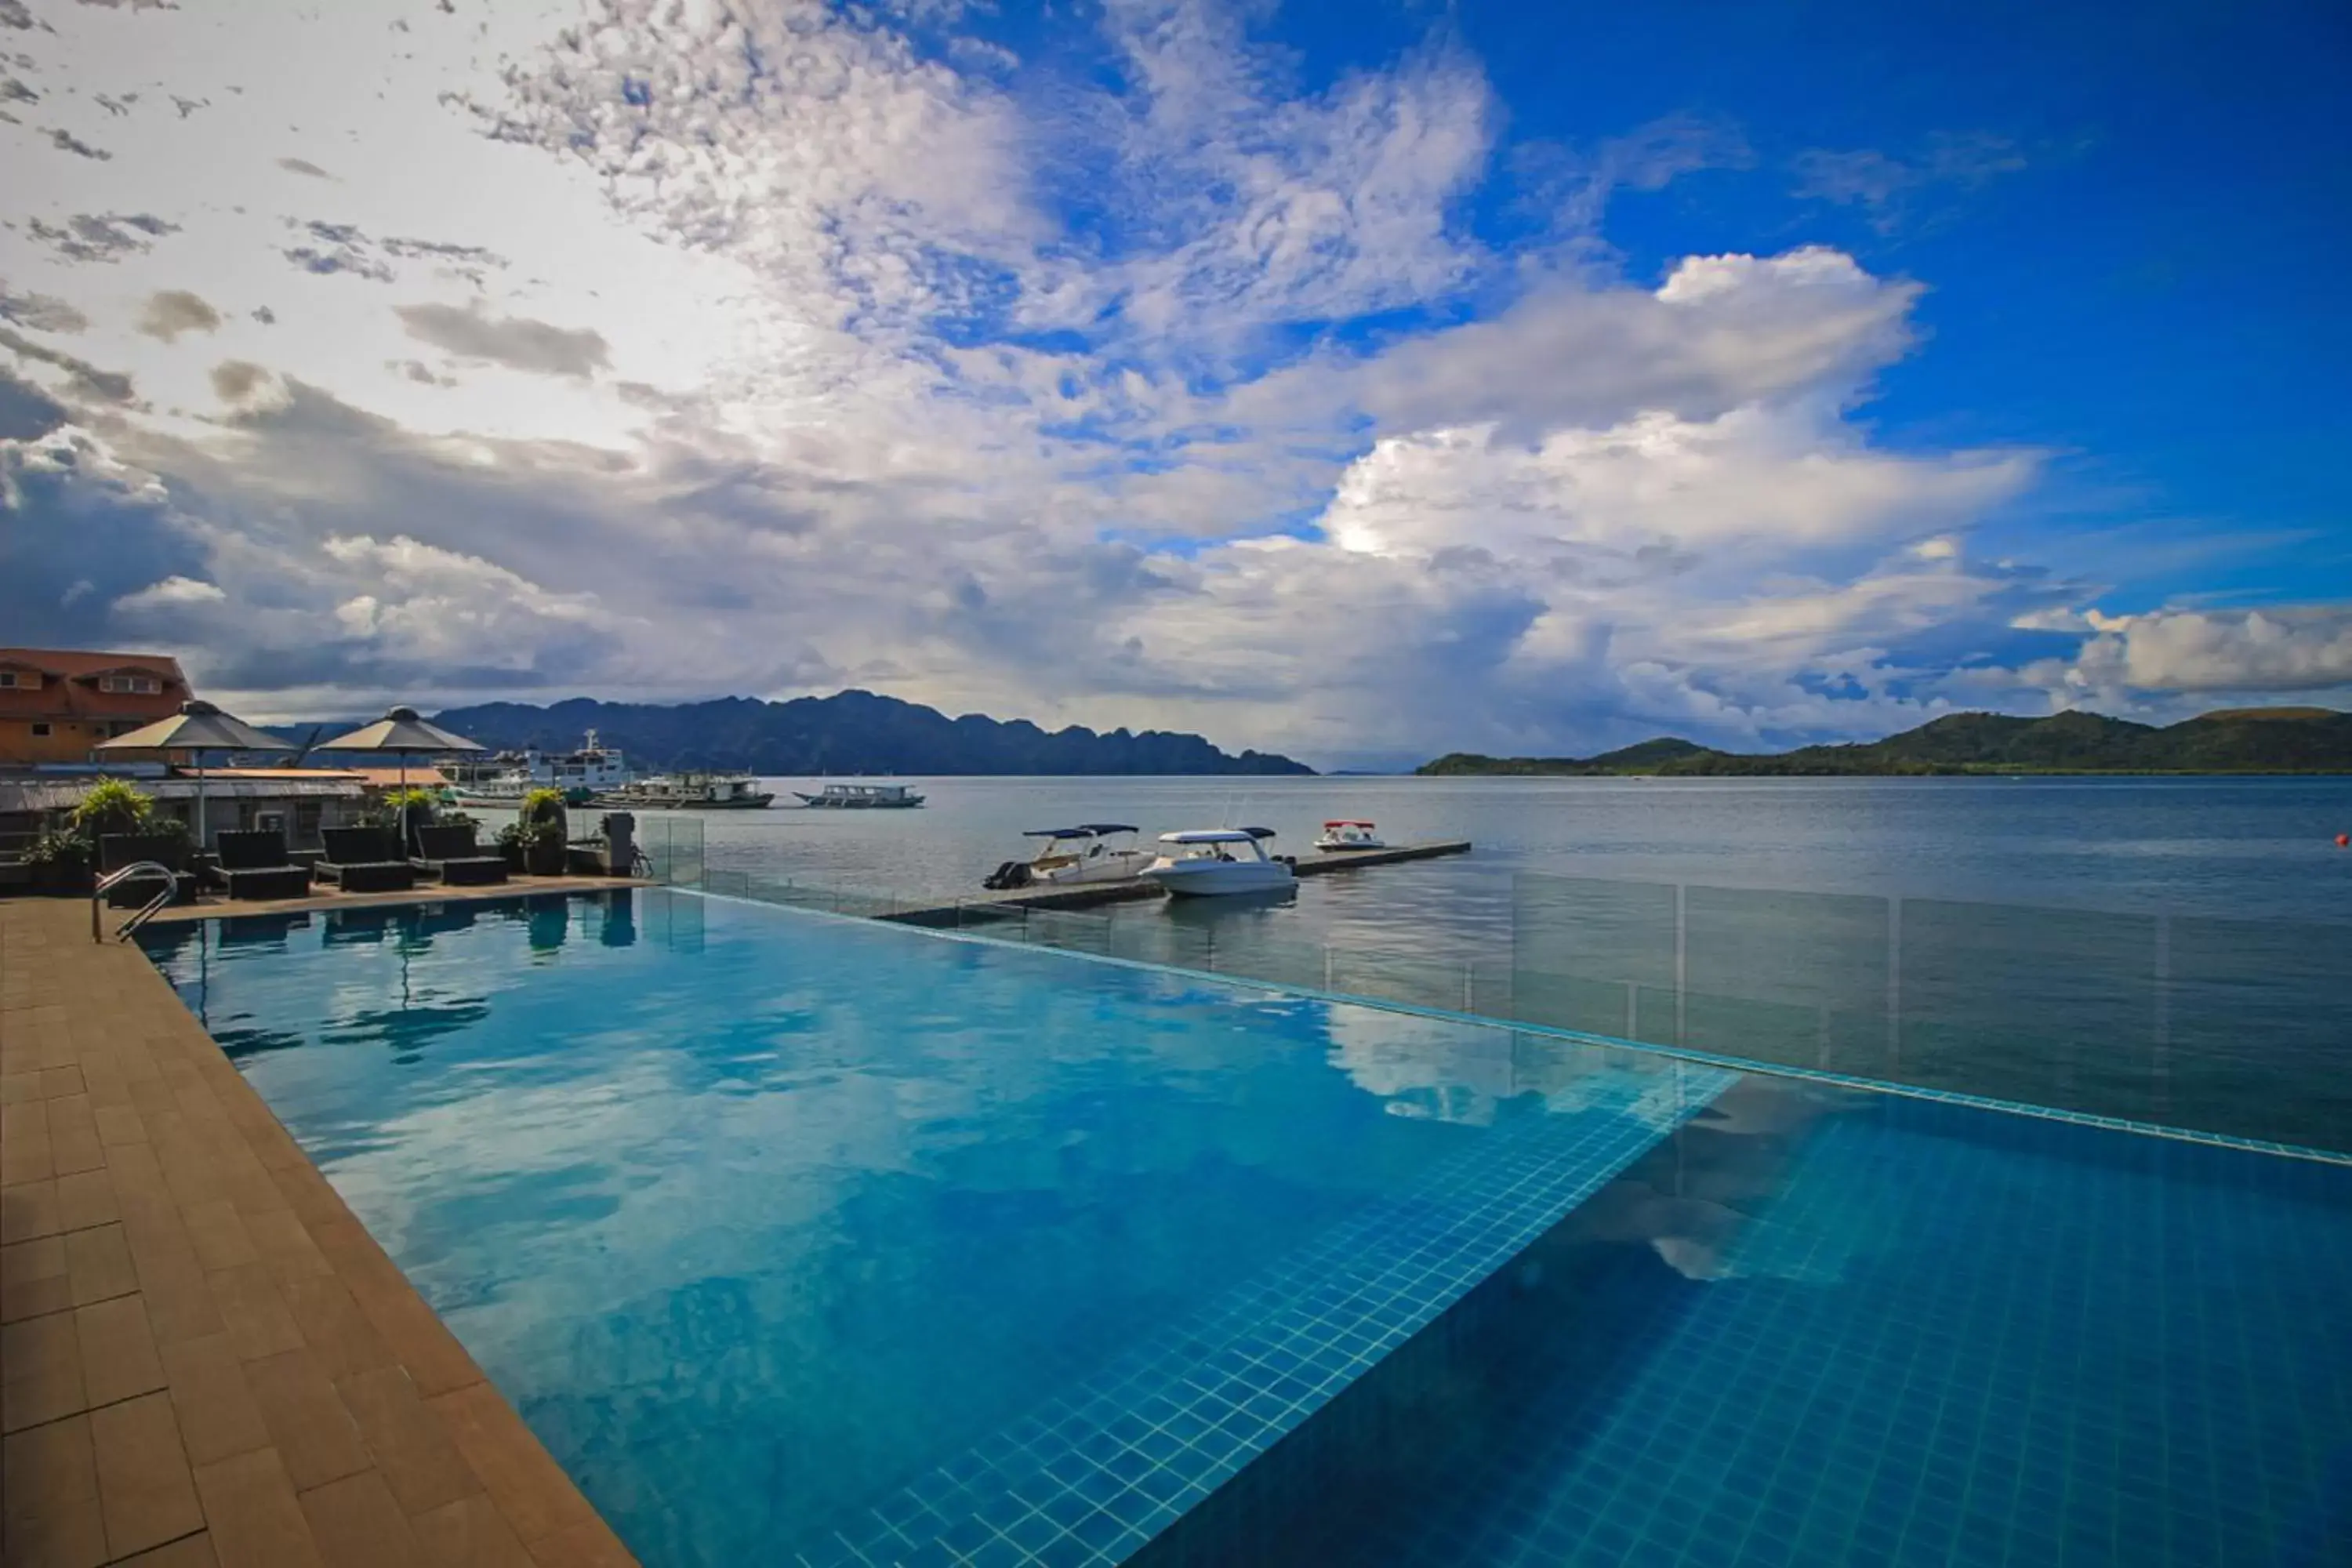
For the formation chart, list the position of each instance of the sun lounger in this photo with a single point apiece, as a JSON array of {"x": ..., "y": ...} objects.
[
  {"x": 365, "y": 860},
  {"x": 448, "y": 852},
  {"x": 115, "y": 850},
  {"x": 254, "y": 863}
]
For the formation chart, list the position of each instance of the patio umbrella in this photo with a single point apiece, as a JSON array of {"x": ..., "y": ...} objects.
[
  {"x": 401, "y": 734},
  {"x": 198, "y": 727}
]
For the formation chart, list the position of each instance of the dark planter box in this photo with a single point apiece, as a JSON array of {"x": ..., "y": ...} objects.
[
  {"x": 545, "y": 860},
  {"x": 65, "y": 882},
  {"x": 513, "y": 852}
]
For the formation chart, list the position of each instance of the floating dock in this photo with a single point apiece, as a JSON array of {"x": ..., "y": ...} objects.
[{"x": 983, "y": 906}]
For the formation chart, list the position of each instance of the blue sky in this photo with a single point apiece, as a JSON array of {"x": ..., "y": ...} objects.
[{"x": 1360, "y": 380}]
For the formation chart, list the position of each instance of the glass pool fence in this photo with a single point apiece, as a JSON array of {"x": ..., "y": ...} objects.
[{"x": 2242, "y": 1028}]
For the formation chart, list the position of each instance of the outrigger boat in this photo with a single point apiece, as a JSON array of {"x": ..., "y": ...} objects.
[
  {"x": 1212, "y": 861},
  {"x": 692, "y": 792},
  {"x": 1344, "y": 835},
  {"x": 1072, "y": 854},
  {"x": 864, "y": 797}
]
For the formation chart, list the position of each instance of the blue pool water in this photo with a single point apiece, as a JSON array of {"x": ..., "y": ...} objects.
[{"x": 802, "y": 1238}]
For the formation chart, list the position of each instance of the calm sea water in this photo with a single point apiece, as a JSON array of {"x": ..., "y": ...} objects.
[{"x": 2258, "y": 849}]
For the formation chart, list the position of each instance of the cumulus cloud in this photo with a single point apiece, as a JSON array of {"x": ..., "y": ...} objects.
[
  {"x": 1182, "y": 393},
  {"x": 41, "y": 312},
  {"x": 89, "y": 236},
  {"x": 169, "y": 592},
  {"x": 515, "y": 341},
  {"x": 2287, "y": 648},
  {"x": 175, "y": 311}
]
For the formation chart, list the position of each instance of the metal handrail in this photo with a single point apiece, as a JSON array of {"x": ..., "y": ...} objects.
[{"x": 146, "y": 911}]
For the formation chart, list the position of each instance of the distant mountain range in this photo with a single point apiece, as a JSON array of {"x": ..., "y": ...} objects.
[
  {"x": 2230, "y": 741},
  {"x": 849, "y": 732}
]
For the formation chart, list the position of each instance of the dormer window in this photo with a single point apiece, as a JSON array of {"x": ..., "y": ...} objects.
[
  {"x": 135, "y": 685},
  {"x": 12, "y": 679}
]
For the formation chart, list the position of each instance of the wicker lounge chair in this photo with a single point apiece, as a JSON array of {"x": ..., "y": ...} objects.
[
  {"x": 115, "y": 850},
  {"x": 365, "y": 860},
  {"x": 448, "y": 852},
  {"x": 254, "y": 863}
]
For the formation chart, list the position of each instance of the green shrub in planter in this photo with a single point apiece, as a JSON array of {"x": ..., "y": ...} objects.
[{"x": 60, "y": 862}]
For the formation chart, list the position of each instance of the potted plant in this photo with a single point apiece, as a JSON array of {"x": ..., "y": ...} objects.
[
  {"x": 113, "y": 806},
  {"x": 546, "y": 830},
  {"x": 510, "y": 840},
  {"x": 60, "y": 861}
]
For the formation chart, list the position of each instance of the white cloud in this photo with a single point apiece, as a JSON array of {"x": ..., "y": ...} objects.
[
  {"x": 765, "y": 349},
  {"x": 170, "y": 591},
  {"x": 2281, "y": 649}
]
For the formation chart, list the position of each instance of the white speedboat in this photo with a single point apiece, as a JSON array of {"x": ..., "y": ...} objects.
[
  {"x": 1203, "y": 861},
  {"x": 863, "y": 797},
  {"x": 1338, "y": 835},
  {"x": 1069, "y": 856}
]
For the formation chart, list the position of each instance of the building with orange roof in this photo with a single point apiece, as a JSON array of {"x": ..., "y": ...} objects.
[{"x": 56, "y": 704}]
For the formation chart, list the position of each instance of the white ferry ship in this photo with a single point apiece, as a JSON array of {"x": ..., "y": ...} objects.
[{"x": 504, "y": 778}]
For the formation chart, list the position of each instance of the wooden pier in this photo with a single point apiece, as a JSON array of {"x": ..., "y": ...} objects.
[{"x": 983, "y": 906}]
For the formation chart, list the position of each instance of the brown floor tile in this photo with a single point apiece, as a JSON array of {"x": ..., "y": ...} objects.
[
  {"x": 48, "y": 1464},
  {"x": 588, "y": 1544},
  {"x": 337, "y": 1332},
  {"x": 147, "y": 1163},
  {"x": 33, "y": 1278},
  {"x": 308, "y": 1194},
  {"x": 98, "y": 1261},
  {"x": 73, "y": 1136},
  {"x": 218, "y": 1417},
  {"x": 314, "y": 1435},
  {"x": 470, "y": 1534},
  {"x": 40, "y": 1371},
  {"x": 287, "y": 1245},
  {"x": 28, "y": 1209},
  {"x": 188, "y": 1551},
  {"x": 180, "y": 1301},
  {"x": 410, "y": 1446},
  {"x": 142, "y": 1475},
  {"x": 86, "y": 1198},
  {"x": 530, "y": 1489},
  {"x": 254, "y": 1312},
  {"x": 118, "y": 1124},
  {"x": 70, "y": 1535},
  {"x": 117, "y": 1352},
  {"x": 355, "y": 1521},
  {"x": 251, "y": 1513},
  {"x": 218, "y": 1235},
  {"x": 436, "y": 1362}
]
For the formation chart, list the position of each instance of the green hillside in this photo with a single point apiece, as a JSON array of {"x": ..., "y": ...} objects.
[{"x": 2229, "y": 741}]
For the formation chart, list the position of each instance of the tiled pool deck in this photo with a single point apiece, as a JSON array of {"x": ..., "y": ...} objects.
[{"x": 205, "y": 1358}]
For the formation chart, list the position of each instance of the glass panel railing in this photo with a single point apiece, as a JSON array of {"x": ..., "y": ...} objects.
[{"x": 2224, "y": 1026}]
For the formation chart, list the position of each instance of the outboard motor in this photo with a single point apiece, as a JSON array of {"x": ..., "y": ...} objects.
[{"x": 1006, "y": 877}]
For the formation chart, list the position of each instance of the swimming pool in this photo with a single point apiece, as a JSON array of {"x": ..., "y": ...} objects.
[{"x": 794, "y": 1237}]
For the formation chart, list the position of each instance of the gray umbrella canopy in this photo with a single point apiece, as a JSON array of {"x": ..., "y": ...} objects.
[
  {"x": 403, "y": 731},
  {"x": 198, "y": 727}
]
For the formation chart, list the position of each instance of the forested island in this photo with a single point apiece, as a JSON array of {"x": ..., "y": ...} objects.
[
  {"x": 848, "y": 732},
  {"x": 2229, "y": 741}
]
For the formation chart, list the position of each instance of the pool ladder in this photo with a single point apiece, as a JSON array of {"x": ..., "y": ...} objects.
[{"x": 145, "y": 911}]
